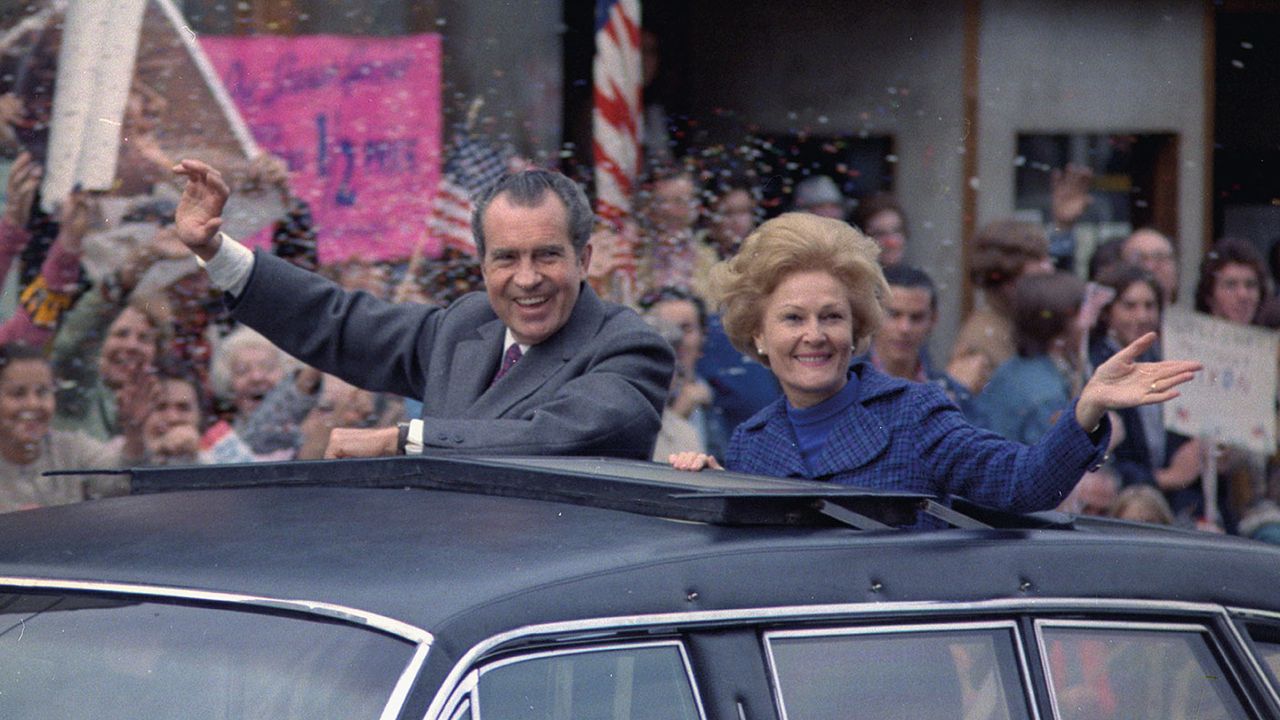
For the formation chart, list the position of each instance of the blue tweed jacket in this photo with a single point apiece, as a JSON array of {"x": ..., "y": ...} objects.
[{"x": 908, "y": 436}]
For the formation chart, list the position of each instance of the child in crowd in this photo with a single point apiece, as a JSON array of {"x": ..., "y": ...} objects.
[{"x": 29, "y": 446}]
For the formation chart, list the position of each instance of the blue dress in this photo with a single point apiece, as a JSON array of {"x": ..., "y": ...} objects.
[{"x": 909, "y": 436}]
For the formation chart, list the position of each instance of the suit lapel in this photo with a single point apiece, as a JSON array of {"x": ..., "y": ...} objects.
[
  {"x": 475, "y": 361},
  {"x": 542, "y": 361},
  {"x": 781, "y": 448},
  {"x": 858, "y": 437}
]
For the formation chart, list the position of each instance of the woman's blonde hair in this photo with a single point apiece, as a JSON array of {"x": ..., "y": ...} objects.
[
  {"x": 791, "y": 243},
  {"x": 1142, "y": 503}
]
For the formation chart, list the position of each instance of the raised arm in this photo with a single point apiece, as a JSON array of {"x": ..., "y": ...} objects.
[
  {"x": 19, "y": 196},
  {"x": 45, "y": 300}
]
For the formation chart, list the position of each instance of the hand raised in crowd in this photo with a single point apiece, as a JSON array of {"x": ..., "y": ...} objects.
[
  {"x": 1069, "y": 190},
  {"x": 12, "y": 111},
  {"x": 1096, "y": 299},
  {"x": 267, "y": 170},
  {"x": 133, "y": 404},
  {"x": 146, "y": 147},
  {"x": 613, "y": 250},
  {"x": 165, "y": 245},
  {"x": 20, "y": 192},
  {"x": 75, "y": 217},
  {"x": 693, "y": 461},
  {"x": 199, "y": 213},
  {"x": 693, "y": 394},
  {"x": 177, "y": 442},
  {"x": 1123, "y": 382},
  {"x": 971, "y": 370},
  {"x": 408, "y": 290},
  {"x": 1184, "y": 467}
]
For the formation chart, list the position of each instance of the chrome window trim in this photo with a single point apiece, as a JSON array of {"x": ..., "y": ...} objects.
[
  {"x": 464, "y": 706},
  {"x": 349, "y": 615},
  {"x": 419, "y": 638},
  {"x": 1040, "y": 624},
  {"x": 474, "y": 677},
  {"x": 1024, "y": 668},
  {"x": 869, "y": 611},
  {"x": 1247, "y": 648},
  {"x": 1254, "y": 614},
  {"x": 400, "y": 693},
  {"x": 464, "y": 693}
]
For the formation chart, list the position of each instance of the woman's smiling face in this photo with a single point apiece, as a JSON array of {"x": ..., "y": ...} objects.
[{"x": 806, "y": 332}]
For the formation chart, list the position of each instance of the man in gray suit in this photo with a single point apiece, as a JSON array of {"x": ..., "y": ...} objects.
[{"x": 542, "y": 366}]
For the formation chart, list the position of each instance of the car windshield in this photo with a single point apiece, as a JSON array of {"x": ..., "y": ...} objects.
[{"x": 69, "y": 657}]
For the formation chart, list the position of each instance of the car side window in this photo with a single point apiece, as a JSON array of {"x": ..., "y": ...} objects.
[
  {"x": 1270, "y": 652},
  {"x": 971, "y": 671},
  {"x": 1136, "y": 671},
  {"x": 1266, "y": 643},
  {"x": 634, "y": 682},
  {"x": 90, "y": 656}
]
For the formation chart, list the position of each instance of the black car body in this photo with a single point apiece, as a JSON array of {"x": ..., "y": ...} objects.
[{"x": 442, "y": 589}]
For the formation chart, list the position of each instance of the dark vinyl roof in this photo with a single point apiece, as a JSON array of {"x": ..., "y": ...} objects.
[{"x": 466, "y": 566}]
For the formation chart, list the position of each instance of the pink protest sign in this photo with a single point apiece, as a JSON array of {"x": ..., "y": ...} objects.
[{"x": 358, "y": 121}]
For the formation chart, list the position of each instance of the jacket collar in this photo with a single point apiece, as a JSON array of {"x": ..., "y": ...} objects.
[{"x": 856, "y": 439}]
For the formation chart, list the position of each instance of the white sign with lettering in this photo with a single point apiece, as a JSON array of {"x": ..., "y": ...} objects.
[{"x": 1233, "y": 398}]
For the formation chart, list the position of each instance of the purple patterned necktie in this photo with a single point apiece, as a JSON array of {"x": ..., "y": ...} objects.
[{"x": 509, "y": 359}]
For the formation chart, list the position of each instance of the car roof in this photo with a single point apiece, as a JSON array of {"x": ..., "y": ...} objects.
[{"x": 466, "y": 565}]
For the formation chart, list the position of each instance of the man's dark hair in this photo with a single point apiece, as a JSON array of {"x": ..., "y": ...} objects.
[
  {"x": 1043, "y": 306},
  {"x": 1120, "y": 276},
  {"x": 1110, "y": 252},
  {"x": 1002, "y": 249},
  {"x": 12, "y": 352},
  {"x": 876, "y": 204},
  {"x": 528, "y": 189},
  {"x": 159, "y": 211},
  {"x": 1229, "y": 251},
  {"x": 911, "y": 277},
  {"x": 669, "y": 292},
  {"x": 720, "y": 184}
]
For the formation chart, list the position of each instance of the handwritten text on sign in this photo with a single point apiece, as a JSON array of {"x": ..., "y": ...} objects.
[
  {"x": 357, "y": 120},
  {"x": 1233, "y": 398}
]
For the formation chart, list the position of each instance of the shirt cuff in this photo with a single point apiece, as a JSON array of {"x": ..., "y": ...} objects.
[
  {"x": 413, "y": 441},
  {"x": 229, "y": 268}
]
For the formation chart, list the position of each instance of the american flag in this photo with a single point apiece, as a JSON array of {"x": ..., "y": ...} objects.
[
  {"x": 616, "y": 129},
  {"x": 472, "y": 164}
]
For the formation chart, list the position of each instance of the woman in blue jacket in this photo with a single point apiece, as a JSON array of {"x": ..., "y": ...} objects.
[{"x": 803, "y": 296}]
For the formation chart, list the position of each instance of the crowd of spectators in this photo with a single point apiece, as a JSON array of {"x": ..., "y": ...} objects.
[
  {"x": 1037, "y": 332},
  {"x": 138, "y": 363}
]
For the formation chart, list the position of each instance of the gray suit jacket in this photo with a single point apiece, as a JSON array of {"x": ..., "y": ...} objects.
[{"x": 596, "y": 387}]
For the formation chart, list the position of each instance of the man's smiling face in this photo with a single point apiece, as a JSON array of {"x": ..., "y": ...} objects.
[{"x": 531, "y": 272}]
